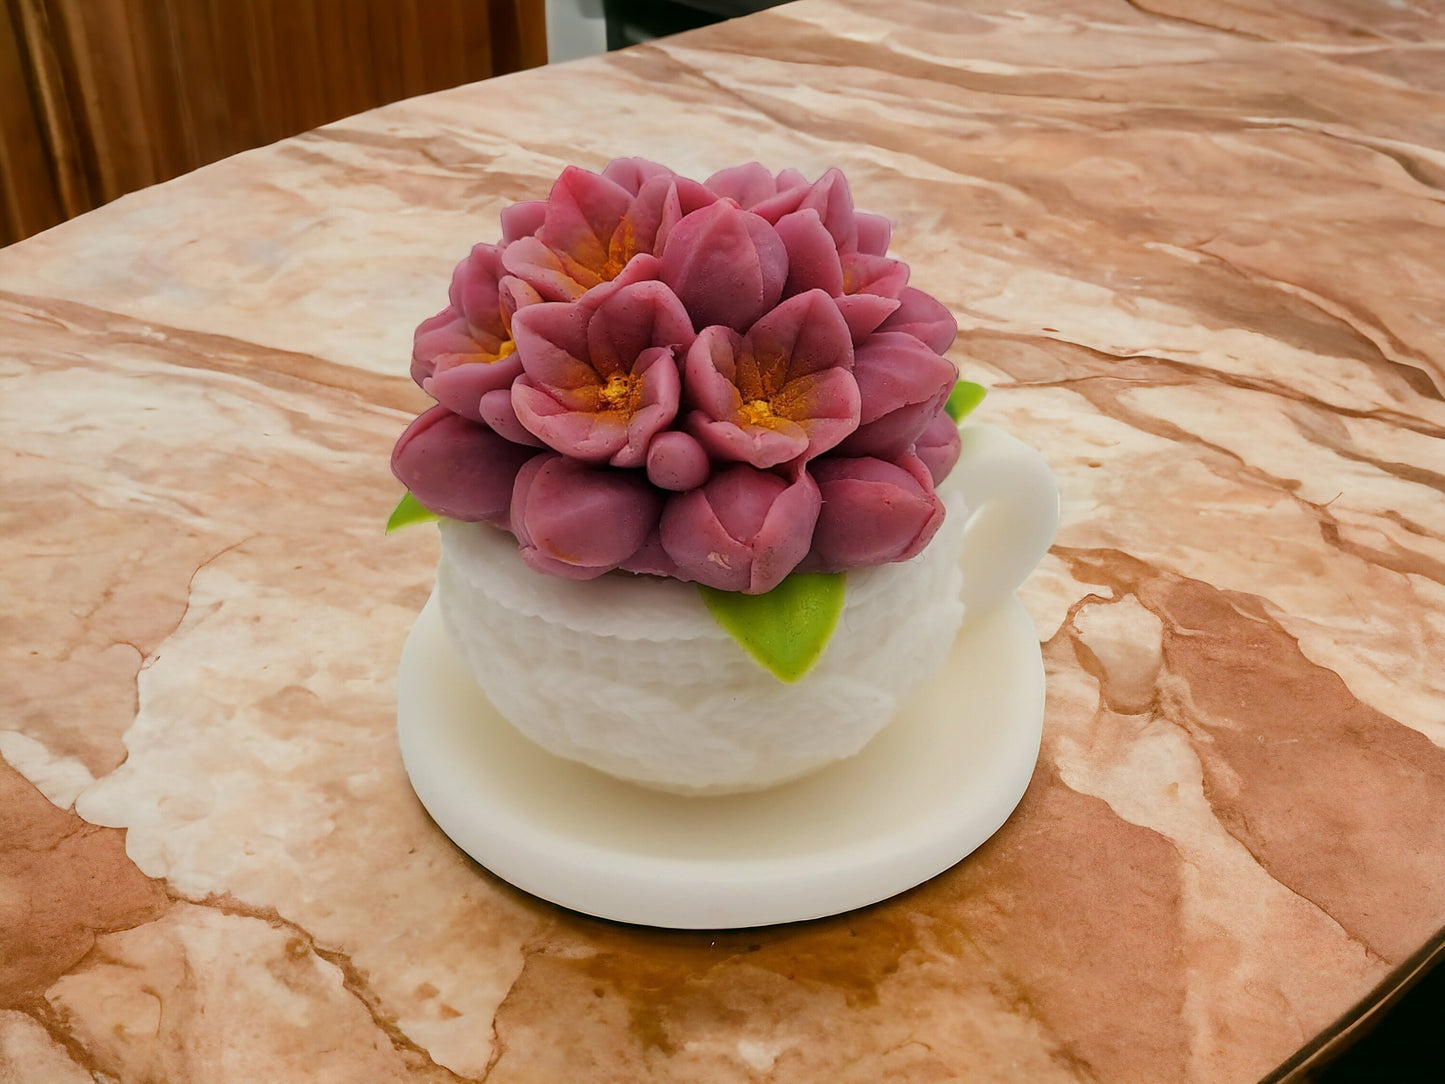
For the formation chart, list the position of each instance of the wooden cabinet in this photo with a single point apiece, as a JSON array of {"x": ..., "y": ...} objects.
[{"x": 100, "y": 97}]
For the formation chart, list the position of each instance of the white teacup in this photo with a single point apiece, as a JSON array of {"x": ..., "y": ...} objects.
[{"x": 632, "y": 676}]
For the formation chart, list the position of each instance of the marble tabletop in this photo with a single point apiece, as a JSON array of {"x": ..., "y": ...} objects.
[{"x": 1197, "y": 251}]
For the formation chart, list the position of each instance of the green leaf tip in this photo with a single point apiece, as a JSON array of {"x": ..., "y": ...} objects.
[
  {"x": 409, "y": 510},
  {"x": 965, "y": 396},
  {"x": 786, "y": 629}
]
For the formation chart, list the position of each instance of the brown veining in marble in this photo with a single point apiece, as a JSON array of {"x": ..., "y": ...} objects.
[
  {"x": 1265, "y": 721},
  {"x": 1196, "y": 253},
  {"x": 62, "y": 881}
]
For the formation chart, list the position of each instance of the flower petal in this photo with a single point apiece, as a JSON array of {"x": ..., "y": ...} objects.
[
  {"x": 522, "y": 220},
  {"x": 473, "y": 290},
  {"x": 873, "y": 512},
  {"x": 863, "y": 313},
  {"x": 497, "y": 412},
  {"x": 924, "y": 318},
  {"x": 552, "y": 344},
  {"x": 587, "y": 435},
  {"x": 709, "y": 371},
  {"x": 633, "y": 173},
  {"x": 746, "y": 185},
  {"x": 677, "y": 462},
  {"x": 460, "y": 387},
  {"x": 825, "y": 404},
  {"x": 939, "y": 446},
  {"x": 681, "y": 198},
  {"x": 807, "y": 330},
  {"x": 832, "y": 199},
  {"x": 863, "y": 274},
  {"x": 813, "y": 262},
  {"x": 661, "y": 386},
  {"x": 571, "y": 520},
  {"x": 542, "y": 269},
  {"x": 743, "y": 531},
  {"x": 762, "y": 446},
  {"x": 457, "y": 468},
  {"x": 635, "y": 318},
  {"x": 727, "y": 266},
  {"x": 894, "y": 369},
  {"x": 874, "y": 233},
  {"x": 583, "y": 212}
]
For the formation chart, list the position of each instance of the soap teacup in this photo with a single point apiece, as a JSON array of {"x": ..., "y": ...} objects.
[{"x": 631, "y": 675}]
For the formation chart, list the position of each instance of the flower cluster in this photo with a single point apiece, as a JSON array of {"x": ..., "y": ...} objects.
[{"x": 720, "y": 382}]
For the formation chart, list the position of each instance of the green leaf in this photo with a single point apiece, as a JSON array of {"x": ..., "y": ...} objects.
[
  {"x": 409, "y": 510},
  {"x": 786, "y": 629},
  {"x": 965, "y": 396}
]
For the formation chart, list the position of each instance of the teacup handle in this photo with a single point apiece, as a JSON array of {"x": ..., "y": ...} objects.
[{"x": 1013, "y": 512}]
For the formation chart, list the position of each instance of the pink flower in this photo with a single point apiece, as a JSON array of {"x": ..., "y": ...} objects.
[
  {"x": 745, "y": 530},
  {"x": 677, "y": 462},
  {"x": 866, "y": 286},
  {"x": 925, "y": 318},
  {"x": 779, "y": 392},
  {"x": 600, "y": 383},
  {"x": 598, "y": 228},
  {"x": 873, "y": 512},
  {"x": 727, "y": 265},
  {"x": 813, "y": 433},
  {"x": 754, "y": 189},
  {"x": 939, "y": 446},
  {"x": 903, "y": 385},
  {"x": 466, "y": 350},
  {"x": 457, "y": 468},
  {"x": 571, "y": 520},
  {"x": 751, "y": 186}
]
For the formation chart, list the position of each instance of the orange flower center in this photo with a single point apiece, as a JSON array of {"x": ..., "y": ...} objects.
[
  {"x": 620, "y": 250},
  {"x": 622, "y": 393},
  {"x": 758, "y": 412}
]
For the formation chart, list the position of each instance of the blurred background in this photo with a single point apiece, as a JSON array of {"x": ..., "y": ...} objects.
[{"x": 101, "y": 97}]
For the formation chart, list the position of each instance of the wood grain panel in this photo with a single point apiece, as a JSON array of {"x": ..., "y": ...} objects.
[{"x": 101, "y": 97}]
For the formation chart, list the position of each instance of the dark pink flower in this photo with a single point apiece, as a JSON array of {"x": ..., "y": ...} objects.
[
  {"x": 779, "y": 392},
  {"x": 874, "y": 233},
  {"x": 939, "y": 446},
  {"x": 873, "y": 512},
  {"x": 466, "y": 350},
  {"x": 597, "y": 228},
  {"x": 457, "y": 468},
  {"x": 574, "y": 521},
  {"x": 751, "y": 186},
  {"x": 903, "y": 385},
  {"x": 599, "y": 383},
  {"x": 925, "y": 318},
  {"x": 727, "y": 265},
  {"x": 522, "y": 220},
  {"x": 745, "y": 530},
  {"x": 634, "y": 173},
  {"x": 677, "y": 462}
]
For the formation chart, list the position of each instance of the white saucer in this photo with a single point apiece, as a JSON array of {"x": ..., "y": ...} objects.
[{"x": 940, "y": 779}]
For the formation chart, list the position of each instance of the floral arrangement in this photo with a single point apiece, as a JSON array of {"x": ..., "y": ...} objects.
[{"x": 727, "y": 382}]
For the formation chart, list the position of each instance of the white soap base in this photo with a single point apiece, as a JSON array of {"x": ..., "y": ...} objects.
[{"x": 940, "y": 779}]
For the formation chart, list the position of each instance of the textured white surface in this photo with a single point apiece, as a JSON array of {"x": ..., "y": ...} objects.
[
  {"x": 632, "y": 676},
  {"x": 937, "y": 782}
]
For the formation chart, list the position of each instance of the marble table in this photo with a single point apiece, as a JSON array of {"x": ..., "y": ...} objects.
[{"x": 1197, "y": 250}]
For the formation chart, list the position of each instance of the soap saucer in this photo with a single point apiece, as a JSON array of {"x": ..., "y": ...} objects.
[{"x": 940, "y": 779}]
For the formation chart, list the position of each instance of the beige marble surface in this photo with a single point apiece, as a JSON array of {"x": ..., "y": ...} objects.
[{"x": 1197, "y": 251}]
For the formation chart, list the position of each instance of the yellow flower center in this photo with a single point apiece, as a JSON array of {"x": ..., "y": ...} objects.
[
  {"x": 758, "y": 412},
  {"x": 621, "y": 392},
  {"x": 620, "y": 250}
]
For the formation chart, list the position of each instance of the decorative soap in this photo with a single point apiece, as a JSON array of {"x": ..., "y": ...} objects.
[{"x": 722, "y": 404}]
